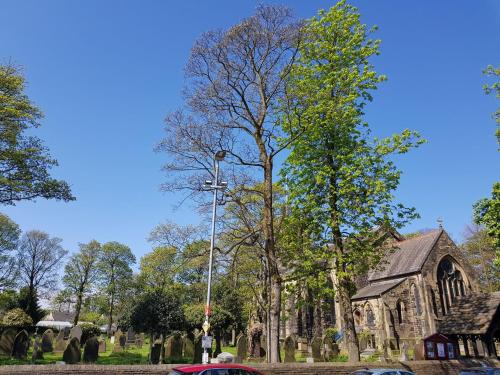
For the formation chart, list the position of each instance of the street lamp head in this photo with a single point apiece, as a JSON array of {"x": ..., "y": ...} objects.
[
  {"x": 223, "y": 185},
  {"x": 220, "y": 155}
]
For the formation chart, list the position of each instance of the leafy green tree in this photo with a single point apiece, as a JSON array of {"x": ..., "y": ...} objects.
[
  {"x": 8, "y": 301},
  {"x": 480, "y": 251},
  {"x": 157, "y": 268},
  {"x": 24, "y": 161},
  {"x": 30, "y": 304},
  {"x": 336, "y": 174},
  {"x": 9, "y": 237},
  {"x": 115, "y": 274},
  {"x": 17, "y": 318},
  {"x": 487, "y": 213},
  {"x": 39, "y": 258},
  {"x": 81, "y": 273},
  {"x": 495, "y": 89}
]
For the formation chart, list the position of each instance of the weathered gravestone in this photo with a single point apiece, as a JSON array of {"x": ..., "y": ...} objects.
[
  {"x": 241, "y": 348},
  {"x": 155, "y": 353},
  {"x": 91, "y": 350},
  {"x": 123, "y": 342},
  {"x": 76, "y": 332},
  {"x": 173, "y": 347},
  {"x": 21, "y": 345},
  {"x": 47, "y": 340},
  {"x": 130, "y": 336},
  {"x": 328, "y": 348},
  {"x": 289, "y": 345},
  {"x": 60, "y": 342},
  {"x": 37, "y": 350},
  {"x": 316, "y": 344},
  {"x": 72, "y": 352},
  {"x": 187, "y": 347},
  {"x": 7, "y": 341},
  {"x": 335, "y": 350},
  {"x": 255, "y": 341},
  {"x": 117, "y": 347},
  {"x": 66, "y": 332},
  {"x": 102, "y": 346},
  {"x": 198, "y": 350}
]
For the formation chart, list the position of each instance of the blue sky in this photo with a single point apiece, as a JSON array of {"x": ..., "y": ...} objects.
[{"x": 106, "y": 73}]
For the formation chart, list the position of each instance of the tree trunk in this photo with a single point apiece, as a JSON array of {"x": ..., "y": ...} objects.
[
  {"x": 350, "y": 337},
  {"x": 78, "y": 307},
  {"x": 110, "y": 318}
]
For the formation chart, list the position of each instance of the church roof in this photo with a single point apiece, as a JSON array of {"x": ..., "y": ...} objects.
[
  {"x": 408, "y": 258},
  {"x": 471, "y": 314},
  {"x": 377, "y": 289}
]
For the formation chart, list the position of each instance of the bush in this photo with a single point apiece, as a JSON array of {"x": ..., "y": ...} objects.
[
  {"x": 17, "y": 318},
  {"x": 88, "y": 330}
]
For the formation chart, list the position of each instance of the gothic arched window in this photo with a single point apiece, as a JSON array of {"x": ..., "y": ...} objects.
[
  {"x": 370, "y": 317},
  {"x": 416, "y": 297},
  {"x": 450, "y": 283}
]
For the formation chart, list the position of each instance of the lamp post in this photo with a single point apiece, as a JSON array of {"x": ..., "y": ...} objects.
[{"x": 215, "y": 186}]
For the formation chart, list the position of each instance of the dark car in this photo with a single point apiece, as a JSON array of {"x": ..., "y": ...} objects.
[
  {"x": 480, "y": 371},
  {"x": 214, "y": 369}
]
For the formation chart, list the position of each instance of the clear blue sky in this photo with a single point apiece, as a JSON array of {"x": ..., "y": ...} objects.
[{"x": 106, "y": 72}]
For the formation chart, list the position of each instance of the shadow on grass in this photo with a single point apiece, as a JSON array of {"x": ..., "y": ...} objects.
[{"x": 123, "y": 358}]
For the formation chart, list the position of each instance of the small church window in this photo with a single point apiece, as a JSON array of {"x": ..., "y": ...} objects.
[
  {"x": 400, "y": 308},
  {"x": 370, "y": 317},
  {"x": 416, "y": 296}
]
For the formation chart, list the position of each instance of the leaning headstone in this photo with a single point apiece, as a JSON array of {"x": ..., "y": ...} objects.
[
  {"x": 72, "y": 352},
  {"x": 91, "y": 350},
  {"x": 102, "y": 346},
  {"x": 60, "y": 343},
  {"x": 198, "y": 350},
  {"x": 47, "y": 340},
  {"x": 316, "y": 344},
  {"x": 289, "y": 345},
  {"x": 117, "y": 336},
  {"x": 21, "y": 345},
  {"x": 187, "y": 347},
  {"x": 76, "y": 332},
  {"x": 7, "y": 341},
  {"x": 155, "y": 353},
  {"x": 37, "y": 350},
  {"x": 173, "y": 347},
  {"x": 241, "y": 348}
]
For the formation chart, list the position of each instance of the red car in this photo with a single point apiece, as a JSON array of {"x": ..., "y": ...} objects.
[{"x": 214, "y": 369}]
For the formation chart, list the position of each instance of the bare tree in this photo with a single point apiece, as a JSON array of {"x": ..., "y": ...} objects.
[
  {"x": 39, "y": 258},
  {"x": 236, "y": 87}
]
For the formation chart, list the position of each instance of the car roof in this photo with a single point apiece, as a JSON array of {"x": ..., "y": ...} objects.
[
  {"x": 196, "y": 368},
  {"x": 382, "y": 369}
]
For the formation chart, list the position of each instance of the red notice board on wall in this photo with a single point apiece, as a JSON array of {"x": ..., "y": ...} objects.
[{"x": 439, "y": 346}]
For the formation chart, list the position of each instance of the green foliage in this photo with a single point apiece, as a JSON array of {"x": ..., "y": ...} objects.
[
  {"x": 495, "y": 89},
  {"x": 331, "y": 332},
  {"x": 24, "y": 161},
  {"x": 89, "y": 330},
  {"x": 9, "y": 237},
  {"x": 157, "y": 268},
  {"x": 219, "y": 319},
  {"x": 8, "y": 300},
  {"x": 17, "y": 318},
  {"x": 487, "y": 213},
  {"x": 158, "y": 312},
  {"x": 28, "y": 301}
]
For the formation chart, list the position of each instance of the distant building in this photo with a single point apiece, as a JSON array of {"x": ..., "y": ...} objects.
[{"x": 57, "y": 319}]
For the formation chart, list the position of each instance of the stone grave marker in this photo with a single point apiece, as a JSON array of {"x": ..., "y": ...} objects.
[
  {"x": 302, "y": 346},
  {"x": 117, "y": 347},
  {"x": 335, "y": 350},
  {"x": 328, "y": 348},
  {"x": 198, "y": 350},
  {"x": 47, "y": 341},
  {"x": 241, "y": 348},
  {"x": 155, "y": 353},
  {"x": 60, "y": 342},
  {"x": 76, "y": 332},
  {"x": 187, "y": 347},
  {"x": 289, "y": 345},
  {"x": 72, "y": 352},
  {"x": 21, "y": 345},
  {"x": 130, "y": 336},
  {"x": 173, "y": 347},
  {"x": 7, "y": 341},
  {"x": 66, "y": 332},
  {"x": 316, "y": 344},
  {"x": 123, "y": 342},
  {"x": 37, "y": 350},
  {"x": 102, "y": 346},
  {"x": 91, "y": 350}
]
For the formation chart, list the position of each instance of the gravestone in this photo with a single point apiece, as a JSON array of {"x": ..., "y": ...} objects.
[
  {"x": 187, "y": 347},
  {"x": 66, "y": 332},
  {"x": 289, "y": 346},
  {"x": 47, "y": 340},
  {"x": 316, "y": 344},
  {"x": 198, "y": 350},
  {"x": 123, "y": 342},
  {"x": 60, "y": 343},
  {"x": 255, "y": 335},
  {"x": 241, "y": 348},
  {"x": 102, "y": 346},
  {"x": 76, "y": 332},
  {"x": 37, "y": 350},
  {"x": 7, "y": 341},
  {"x": 21, "y": 345},
  {"x": 302, "y": 346},
  {"x": 116, "y": 341},
  {"x": 173, "y": 347},
  {"x": 72, "y": 352},
  {"x": 335, "y": 350},
  {"x": 91, "y": 350},
  {"x": 328, "y": 348},
  {"x": 155, "y": 353},
  {"x": 130, "y": 336}
]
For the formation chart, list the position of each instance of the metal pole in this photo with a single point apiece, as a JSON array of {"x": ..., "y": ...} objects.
[{"x": 210, "y": 261}]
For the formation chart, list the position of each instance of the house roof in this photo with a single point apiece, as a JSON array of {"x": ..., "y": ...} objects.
[
  {"x": 471, "y": 314},
  {"x": 409, "y": 257},
  {"x": 377, "y": 289},
  {"x": 60, "y": 316}
]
